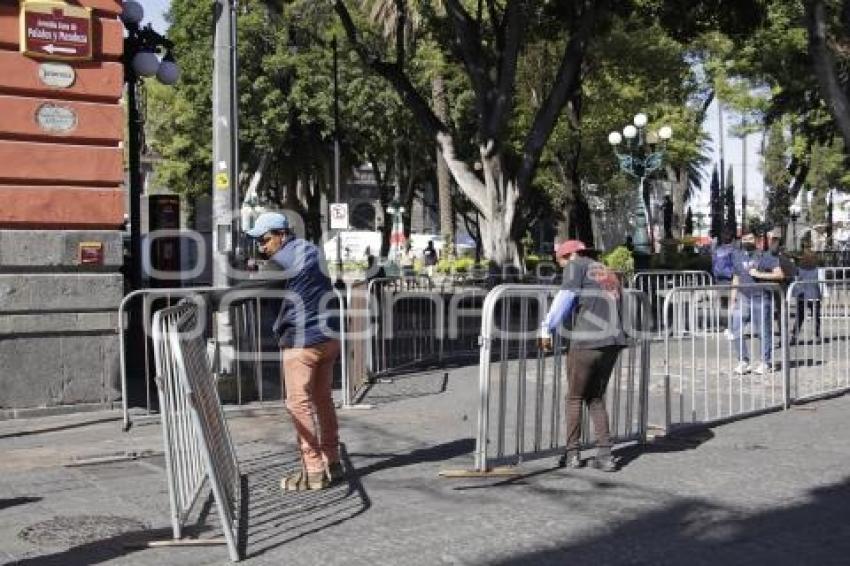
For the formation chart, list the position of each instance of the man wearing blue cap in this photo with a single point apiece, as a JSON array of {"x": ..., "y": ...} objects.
[{"x": 306, "y": 332}]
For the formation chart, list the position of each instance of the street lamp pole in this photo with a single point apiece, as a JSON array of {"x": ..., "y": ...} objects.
[
  {"x": 336, "y": 154},
  {"x": 142, "y": 46},
  {"x": 142, "y": 49},
  {"x": 640, "y": 160}
]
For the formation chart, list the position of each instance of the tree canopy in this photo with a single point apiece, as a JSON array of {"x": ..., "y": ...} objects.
[{"x": 518, "y": 96}]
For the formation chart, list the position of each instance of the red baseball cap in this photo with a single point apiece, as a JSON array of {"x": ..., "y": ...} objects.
[{"x": 568, "y": 247}]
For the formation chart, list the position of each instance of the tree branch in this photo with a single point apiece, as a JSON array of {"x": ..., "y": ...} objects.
[
  {"x": 503, "y": 95},
  {"x": 566, "y": 81},
  {"x": 400, "y": 25},
  {"x": 468, "y": 40},
  {"x": 433, "y": 126},
  {"x": 822, "y": 60},
  {"x": 392, "y": 74}
]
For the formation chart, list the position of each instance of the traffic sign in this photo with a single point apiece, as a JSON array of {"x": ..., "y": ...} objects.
[
  {"x": 339, "y": 216},
  {"x": 55, "y": 30}
]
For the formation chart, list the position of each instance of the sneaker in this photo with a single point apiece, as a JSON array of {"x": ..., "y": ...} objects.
[
  {"x": 304, "y": 481},
  {"x": 762, "y": 368},
  {"x": 605, "y": 461},
  {"x": 571, "y": 459},
  {"x": 742, "y": 368},
  {"x": 336, "y": 473}
]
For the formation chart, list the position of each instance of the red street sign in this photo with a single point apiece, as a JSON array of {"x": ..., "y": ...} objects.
[{"x": 55, "y": 30}]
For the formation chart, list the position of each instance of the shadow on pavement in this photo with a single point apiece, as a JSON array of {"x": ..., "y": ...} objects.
[
  {"x": 15, "y": 501},
  {"x": 275, "y": 518},
  {"x": 98, "y": 551},
  {"x": 438, "y": 453},
  {"x": 400, "y": 387},
  {"x": 699, "y": 533},
  {"x": 674, "y": 442},
  {"x": 69, "y": 426}
]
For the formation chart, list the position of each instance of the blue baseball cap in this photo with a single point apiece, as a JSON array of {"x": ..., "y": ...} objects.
[{"x": 266, "y": 222}]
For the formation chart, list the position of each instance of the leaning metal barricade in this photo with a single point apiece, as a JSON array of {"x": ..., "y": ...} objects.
[
  {"x": 254, "y": 372},
  {"x": 522, "y": 390},
  {"x": 196, "y": 439},
  {"x": 724, "y": 365},
  {"x": 656, "y": 285},
  {"x": 819, "y": 339}
]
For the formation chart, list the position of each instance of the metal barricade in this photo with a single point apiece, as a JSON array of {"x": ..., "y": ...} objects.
[
  {"x": 251, "y": 349},
  {"x": 522, "y": 389},
  {"x": 834, "y": 273},
  {"x": 712, "y": 370},
  {"x": 819, "y": 338},
  {"x": 656, "y": 285},
  {"x": 411, "y": 328},
  {"x": 195, "y": 435}
]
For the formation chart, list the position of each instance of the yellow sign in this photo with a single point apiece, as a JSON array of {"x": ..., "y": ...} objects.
[
  {"x": 56, "y": 30},
  {"x": 222, "y": 181}
]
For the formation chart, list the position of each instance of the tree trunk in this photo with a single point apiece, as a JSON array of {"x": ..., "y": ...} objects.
[
  {"x": 444, "y": 181},
  {"x": 679, "y": 185},
  {"x": 823, "y": 62},
  {"x": 499, "y": 211}
]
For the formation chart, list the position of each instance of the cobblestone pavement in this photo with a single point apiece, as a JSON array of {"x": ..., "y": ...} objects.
[{"x": 770, "y": 489}]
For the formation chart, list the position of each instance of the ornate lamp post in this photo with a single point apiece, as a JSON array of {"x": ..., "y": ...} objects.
[
  {"x": 146, "y": 54},
  {"x": 643, "y": 154}
]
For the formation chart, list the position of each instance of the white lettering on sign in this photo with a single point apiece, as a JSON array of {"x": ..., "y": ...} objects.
[{"x": 56, "y": 119}]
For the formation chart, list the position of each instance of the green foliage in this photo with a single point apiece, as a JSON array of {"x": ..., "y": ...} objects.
[
  {"x": 460, "y": 265},
  {"x": 777, "y": 178},
  {"x": 620, "y": 260}
]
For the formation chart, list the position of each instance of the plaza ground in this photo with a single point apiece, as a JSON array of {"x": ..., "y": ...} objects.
[{"x": 769, "y": 489}]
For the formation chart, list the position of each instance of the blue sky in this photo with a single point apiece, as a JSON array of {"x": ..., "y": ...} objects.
[{"x": 154, "y": 12}]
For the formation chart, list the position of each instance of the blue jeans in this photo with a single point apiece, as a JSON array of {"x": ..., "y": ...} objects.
[{"x": 757, "y": 309}]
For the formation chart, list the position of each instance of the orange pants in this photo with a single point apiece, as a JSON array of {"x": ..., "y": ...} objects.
[{"x": 308, "y": 376}]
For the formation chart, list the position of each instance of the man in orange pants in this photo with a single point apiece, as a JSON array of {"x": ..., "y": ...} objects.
[{"x": 305, "y": 329}]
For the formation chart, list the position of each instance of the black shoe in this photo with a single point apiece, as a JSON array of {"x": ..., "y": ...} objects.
[
  {"x": 605, "y": 462},
  {"x": 570, "y": 459}
]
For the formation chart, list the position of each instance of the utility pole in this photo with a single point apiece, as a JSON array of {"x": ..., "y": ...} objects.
[
  {"x": 225, "y": 211},
  {"x": 225, "y": 147}
]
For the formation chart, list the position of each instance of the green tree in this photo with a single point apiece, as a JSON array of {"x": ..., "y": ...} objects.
[
  {"x": 730, "y": 222},
  {"x": 487, "y": 44},
  {"x": 777, "y": 178}
]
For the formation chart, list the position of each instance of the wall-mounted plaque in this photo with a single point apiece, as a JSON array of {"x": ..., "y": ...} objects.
[
  {"x": 56, "y": 119},
  {"x": 57, "y": 75}
]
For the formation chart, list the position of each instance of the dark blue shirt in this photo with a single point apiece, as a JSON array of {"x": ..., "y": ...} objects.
[
  {"x": 306, "y": 311},
  {"x": 294, "y": 277}
]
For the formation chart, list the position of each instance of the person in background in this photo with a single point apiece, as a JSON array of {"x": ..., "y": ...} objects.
[
  {"x": 722, "y": 260},
  {"x": 807, "y": 292},
  {"x": 407, "y": 259},
  {"x": 754, "y": 304},
  {"x": 596, "y": 339},
  {"x": 429, "y": 258}
]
